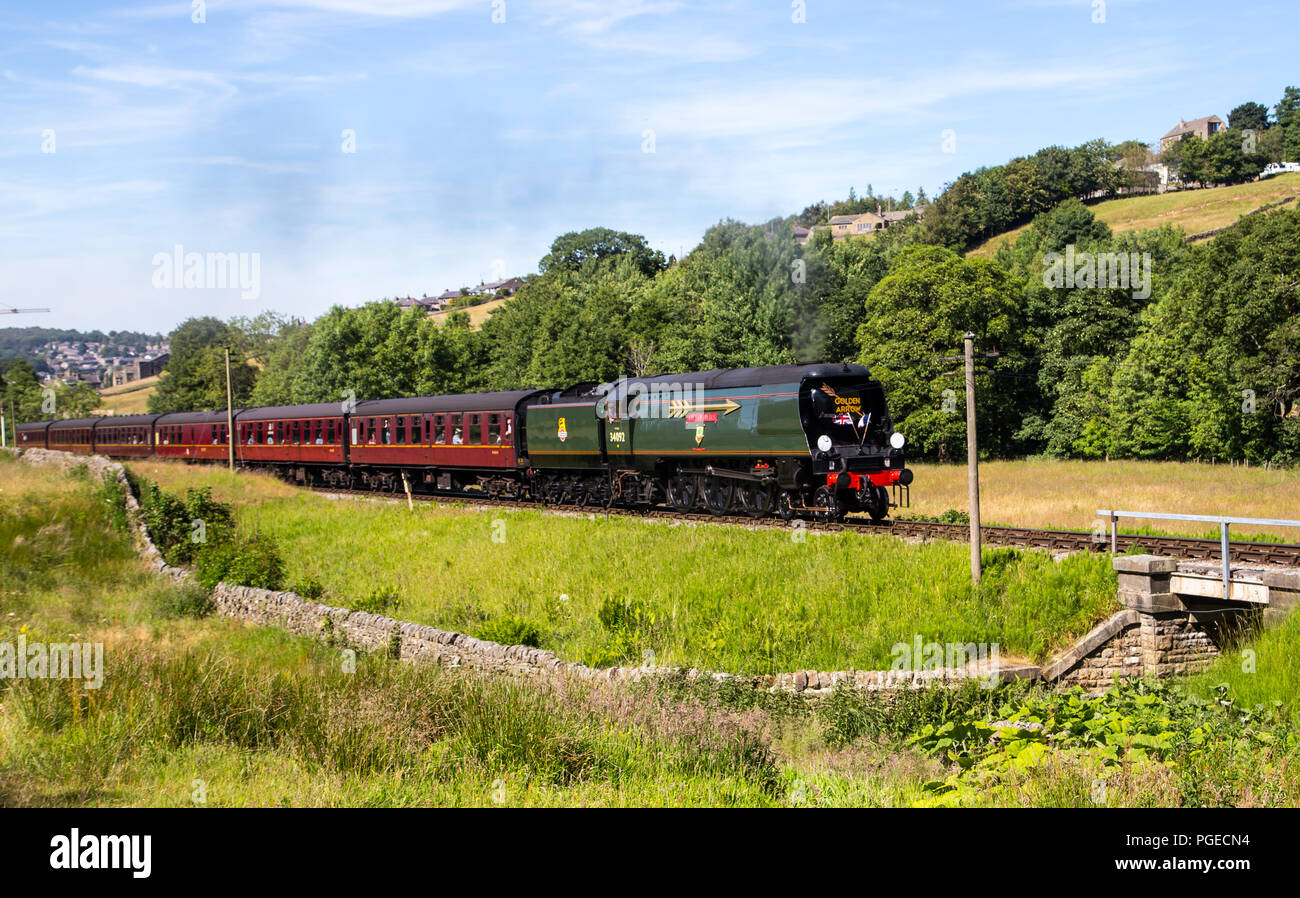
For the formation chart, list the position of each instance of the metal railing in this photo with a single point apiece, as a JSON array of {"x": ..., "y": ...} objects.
[{"x": 1222, "y": 520}]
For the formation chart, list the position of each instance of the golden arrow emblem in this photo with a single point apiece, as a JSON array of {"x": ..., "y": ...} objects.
[{"x": 680, "y": 408}]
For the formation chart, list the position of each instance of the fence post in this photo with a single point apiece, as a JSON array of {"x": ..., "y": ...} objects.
[{"x": 1223, "y": 551}]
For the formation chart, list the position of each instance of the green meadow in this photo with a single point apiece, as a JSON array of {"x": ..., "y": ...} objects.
[
  {"x": 610, "y": 591},
  {"x": 200, "y": 711}
]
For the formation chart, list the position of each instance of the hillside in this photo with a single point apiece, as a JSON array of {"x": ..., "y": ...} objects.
[
  {"x": 131, "y": 399},
  {"x": 1195, "y": 211},
  {"x": 477, "y": 314}
]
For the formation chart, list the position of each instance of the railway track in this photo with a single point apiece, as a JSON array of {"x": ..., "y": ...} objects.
[{"x": 1242, "y": 552}]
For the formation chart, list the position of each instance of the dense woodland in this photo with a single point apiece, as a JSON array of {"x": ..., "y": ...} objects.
[{"x": 1204, "y": 365}]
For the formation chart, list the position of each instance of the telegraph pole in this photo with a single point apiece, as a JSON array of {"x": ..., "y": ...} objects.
[
  {"x": 230, "y": 414},
  {"x": 972, "y": 461}
]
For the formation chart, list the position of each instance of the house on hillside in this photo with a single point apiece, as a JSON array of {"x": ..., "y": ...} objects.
[
  {"x": 135, "y": 369},
  {"x": 864, "y": 223},
  {"x": 505, "y": 286},
  {"x": 426, "y": 302},
  {"x": 1204, "y": 128}
]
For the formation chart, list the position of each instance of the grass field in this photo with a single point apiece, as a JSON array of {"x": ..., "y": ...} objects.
[
  {"x": 477, "y": 314},
  {"x": 1195, "y": 211},
  {"x": 202, "y": 711},
  {"x": 1067, "y": 494},
  {"x": 129, "y": 399},
  {"x": 619, "y": 590}
]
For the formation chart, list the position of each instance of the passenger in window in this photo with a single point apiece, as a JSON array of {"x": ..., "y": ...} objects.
[{"x": 455, "y": 437}]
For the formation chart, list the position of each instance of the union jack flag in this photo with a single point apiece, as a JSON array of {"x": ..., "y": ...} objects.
[{"x": 843, "y": 419}]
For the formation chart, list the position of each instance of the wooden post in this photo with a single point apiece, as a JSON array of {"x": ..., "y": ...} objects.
[
  {"x": 230, "y": 413},
  {"x": 972, "y": 461}
]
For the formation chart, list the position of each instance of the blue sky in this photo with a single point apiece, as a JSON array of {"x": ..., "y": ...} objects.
[{"x": 478, "y": 141}]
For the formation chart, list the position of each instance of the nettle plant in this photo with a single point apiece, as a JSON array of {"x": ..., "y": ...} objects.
[{"x": 1131, "y": 722}]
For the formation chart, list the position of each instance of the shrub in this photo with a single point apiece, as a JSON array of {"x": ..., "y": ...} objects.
[
  {"x": 182, "y": 528},
  {"x": 309, "y": 587},
  {"x": 253, "y": 560},
  {"x": 511, "y": 630},
  {"x": 380, "y": 601},
  {"x": 188, "y": 600}
]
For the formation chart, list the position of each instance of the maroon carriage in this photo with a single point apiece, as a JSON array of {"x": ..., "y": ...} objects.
[
  {"x": 74, "y": 435},
  {"x": 309, "y": 439},
  {"x": 443, "y": 442},
  {"x": 125, "y": 436},
  {"x": 194, "y": 436},
  {"x": 31, "y": 436}
]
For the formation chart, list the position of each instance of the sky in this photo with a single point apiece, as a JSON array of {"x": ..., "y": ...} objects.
[{"x": 349, "y": 150}]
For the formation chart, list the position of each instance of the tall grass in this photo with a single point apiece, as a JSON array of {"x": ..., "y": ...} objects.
[
  {"x": 207, "y": 711},
  {"x": 620, "y": 591},
  {"x": 1067, "y": 494}
]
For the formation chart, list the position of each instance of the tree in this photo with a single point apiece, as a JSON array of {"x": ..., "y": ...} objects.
[
  {"x": 21, "y": 393},
  {"x": 572, "y": 250},
  {"x": 914, "y": 317},
  {"x": 195, "y": 377},
  {"x": 1287, "y": 114},
  {"x": 1249, "y": 115},
  {"x": 1214, "y": 370},
  {"x": 282, "y": 359}
]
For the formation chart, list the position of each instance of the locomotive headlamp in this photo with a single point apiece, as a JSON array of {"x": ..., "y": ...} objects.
[
  {"x": 824, "y": 443},
  {"x": 897, "y": 440}
]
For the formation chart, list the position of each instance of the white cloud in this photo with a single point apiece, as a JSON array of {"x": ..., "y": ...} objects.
[{"x": 812, "y": 106}]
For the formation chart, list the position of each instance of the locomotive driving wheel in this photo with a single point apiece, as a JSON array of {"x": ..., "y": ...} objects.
[
  {"x": 718, "y": 495},
  {"x": 756, "y": 499},
  {"x": 682, "y": 492}
]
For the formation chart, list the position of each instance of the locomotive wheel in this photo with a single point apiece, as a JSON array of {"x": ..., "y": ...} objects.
[
  {"x": 719, "y": 492},
  {"x": 878, "y": 505},
  {"x": 784, "y": 506},
  {"x": 756, "y": 499},
  {"x": 682, "y": 492},
  {"x": 828, "y": 505}
]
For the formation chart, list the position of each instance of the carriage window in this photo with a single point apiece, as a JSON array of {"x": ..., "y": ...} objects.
[
  {"x": 475, "y": 429},
  {"x": 494, "y": 429},
  {"x": 401, "y": 428},
  {"x": 440, "y": 429},
  {"x": 329, "y": 431},
  {"x": 456, "y": 425}
]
